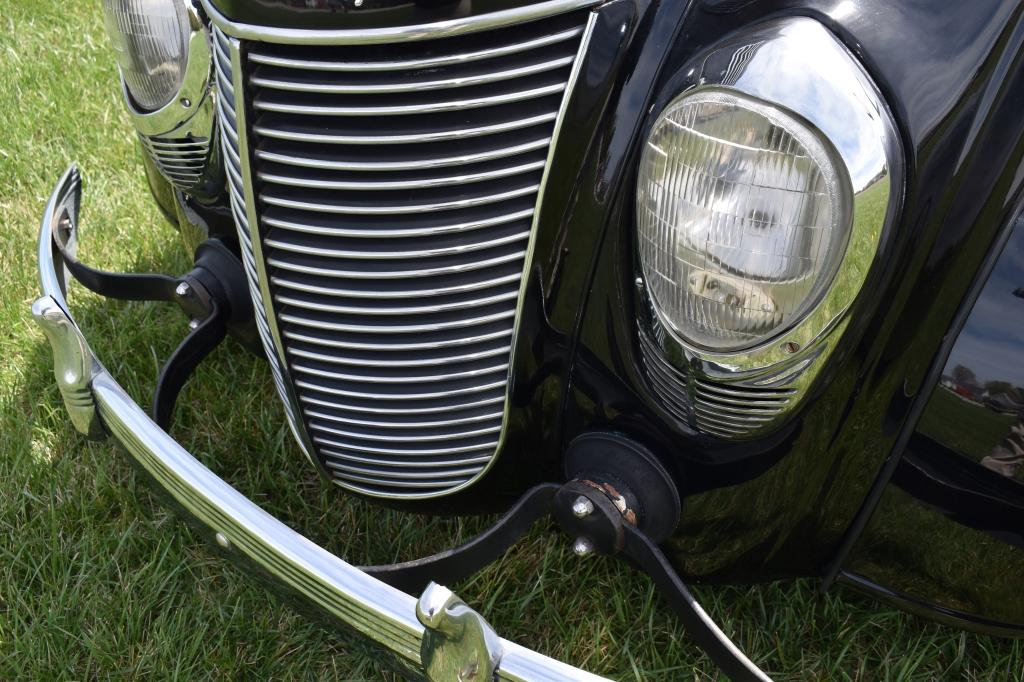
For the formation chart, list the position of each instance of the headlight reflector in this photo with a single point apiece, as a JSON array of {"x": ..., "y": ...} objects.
[
  {"x": 150, "y": 39},
  {"x": 743, "y": 217}
]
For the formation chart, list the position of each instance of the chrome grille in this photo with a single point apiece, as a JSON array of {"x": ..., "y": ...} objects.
[
  {"x": 394, "y": 194},
  {"x": 181, "y": 161}
]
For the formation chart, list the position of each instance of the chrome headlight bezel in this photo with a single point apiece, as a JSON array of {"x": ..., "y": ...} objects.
[
  {"x": 797, "y": 65},
  {"x": 182, "y": 132},
  {"x": 195, "y": 86}
]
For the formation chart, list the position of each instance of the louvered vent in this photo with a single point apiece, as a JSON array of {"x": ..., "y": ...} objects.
[
  {"x": 396, "y": 187},
  {"x": 181, "y": 161},
  {"x": 730, "y": 411},
  {"x": 668, "y": 382},
  {"x": 736, "y": 411}
]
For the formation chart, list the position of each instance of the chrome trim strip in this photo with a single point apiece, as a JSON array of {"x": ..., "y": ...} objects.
[
  {"x": 408, "y": 310},
  {"x": 403, "y": 274},
  {"x": 414, "y": 463},
  {"x": 370, "y": 209},
  {"x": 315, "y": 414},
  {"x": 408, "y": 64},
  {"x": 440, "y": 473},
  {"x": 411, "y": 164},
  {"x": 479, "y": 131},
  {"x": 414, "y": 183},
  {"x": 433, "y": 438},
  {"x": 460, "y": 323},
  {"x": 372, "y": 295},
  {"x": 419, "y": 108},
  {"x": 489, "y": 446},
  {"x": 419, "y": 485},
  {"x": 385, "y": 380},
  {"x": 384, "y": 88},
  {"x": 413, "y": 478},
  {"x": 398, "y": 397},
  {"x": 373, "y": 233},
  {"x": 760, "y": 402},
  {"x": 441, "y": 29},
  {"x": 388, "y": 255},
  {"x": 403, "y": 411},
  {"x": 427, "y": 345},
  {"x": 730, "y": 418},
  {"x": 764, "y": 394}
]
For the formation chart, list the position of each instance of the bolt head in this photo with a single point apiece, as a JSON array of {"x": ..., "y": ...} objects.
[
  {"x": 182, "y": 289},
  {"x": 582, "y": 547},
  {"x": 193, "y": 325},
  {"x": 582, "y": 507}
]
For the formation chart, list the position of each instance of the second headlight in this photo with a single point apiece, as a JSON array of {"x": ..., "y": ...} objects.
[{"x": 743, "y": 215}]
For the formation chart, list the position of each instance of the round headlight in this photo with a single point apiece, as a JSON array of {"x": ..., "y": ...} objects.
[
  {"x": 150, "y": 39},
  {"x": 743, "y": 217}
]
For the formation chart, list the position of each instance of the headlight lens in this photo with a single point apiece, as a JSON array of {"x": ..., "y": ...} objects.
[
  {"x": 743, "y": 218},
  {"x": 150, "y": 38}
]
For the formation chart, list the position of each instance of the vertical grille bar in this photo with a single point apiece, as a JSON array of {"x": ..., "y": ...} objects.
[{"x": 387, "y": 198}]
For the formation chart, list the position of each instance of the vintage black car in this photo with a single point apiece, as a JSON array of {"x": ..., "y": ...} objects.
[{"x": 732, "y": 288}]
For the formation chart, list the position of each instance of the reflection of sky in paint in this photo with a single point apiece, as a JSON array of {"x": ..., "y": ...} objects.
[
  {"x": 992, "y": 341},
  {"x": 823, "y": 96}
]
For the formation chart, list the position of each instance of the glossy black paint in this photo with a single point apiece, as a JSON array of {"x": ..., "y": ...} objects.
[
  {"x": 951, "y": 72},
  {"x": 977, "y": 410},
  {"x": 949, "y": 532},
  {"x": 780, "y": 508}
]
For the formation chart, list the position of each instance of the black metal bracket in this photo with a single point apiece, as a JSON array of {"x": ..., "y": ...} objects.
[
  {"x": 214, "y": 295},
  {"x": 601, "y": 513}
]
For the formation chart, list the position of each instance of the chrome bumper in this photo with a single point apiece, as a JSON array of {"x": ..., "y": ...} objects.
[{"x": 436, "y": 634}]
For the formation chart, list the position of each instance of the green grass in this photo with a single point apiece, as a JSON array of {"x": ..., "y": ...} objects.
[{"x": 98, "y": 581}]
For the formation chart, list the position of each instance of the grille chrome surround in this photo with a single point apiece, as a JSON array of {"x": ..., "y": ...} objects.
[
  {"x": 729, "y": 411},
  {"x": 387, "y": 252}
]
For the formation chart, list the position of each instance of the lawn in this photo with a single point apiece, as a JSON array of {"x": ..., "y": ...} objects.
[{"x": 98, "y": 581}]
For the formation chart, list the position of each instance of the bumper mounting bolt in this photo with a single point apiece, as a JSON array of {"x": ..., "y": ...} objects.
[
  {"x": 582, "y": 507},
  {"x": 183, "y": 289},
  {"x": 582, "y": 547},
  {"x": 193, "y": 324}
]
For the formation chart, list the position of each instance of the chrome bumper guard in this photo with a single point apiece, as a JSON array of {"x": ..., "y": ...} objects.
[{"x": 437, "y": 634}]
